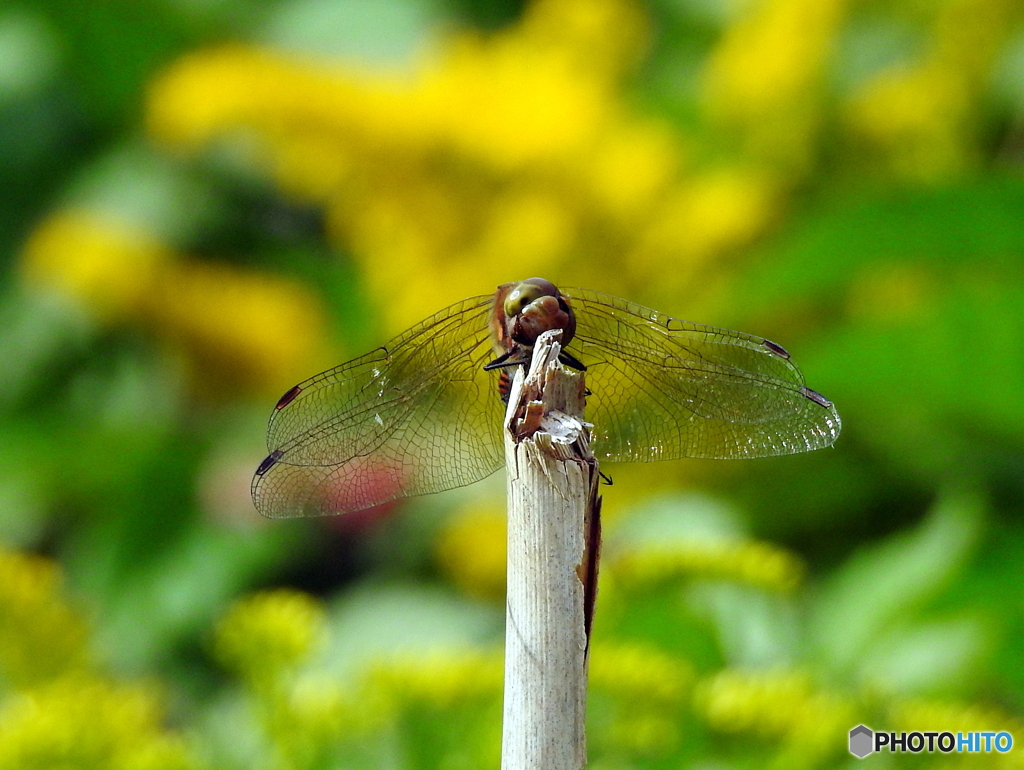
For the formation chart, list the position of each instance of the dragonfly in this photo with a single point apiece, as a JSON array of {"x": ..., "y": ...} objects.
[{"x": 424, "y": 412}]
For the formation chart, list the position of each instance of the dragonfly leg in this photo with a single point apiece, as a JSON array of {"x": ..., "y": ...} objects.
[
  {"x": 506, "y": 359},
  {"x": 571, "y": 361},
  {"x": 515, "y": 357}
]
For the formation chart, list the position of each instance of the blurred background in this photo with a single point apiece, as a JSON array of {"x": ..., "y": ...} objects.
[{"x": 206, "y": 201}]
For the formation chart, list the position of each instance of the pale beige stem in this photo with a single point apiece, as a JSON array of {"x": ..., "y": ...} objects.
[{"x": 552, "y": 493}]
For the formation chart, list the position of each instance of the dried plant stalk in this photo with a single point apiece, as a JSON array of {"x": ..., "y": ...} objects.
[{"x": 553, "y": 510}]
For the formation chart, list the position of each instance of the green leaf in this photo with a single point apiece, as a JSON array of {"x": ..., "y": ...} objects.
[{"x": 886, "y": 586}]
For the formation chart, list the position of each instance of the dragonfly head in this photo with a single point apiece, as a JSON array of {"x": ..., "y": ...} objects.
[{"x": 535, "y": 306}]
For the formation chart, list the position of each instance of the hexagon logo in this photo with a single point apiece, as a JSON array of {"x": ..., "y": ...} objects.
[{"x": 862, "y": 741}]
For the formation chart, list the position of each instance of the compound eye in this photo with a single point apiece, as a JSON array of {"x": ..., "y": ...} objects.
[{"x": 521, "y": 296}]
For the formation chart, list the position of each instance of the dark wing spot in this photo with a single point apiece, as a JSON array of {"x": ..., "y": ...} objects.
[
  {"x": 776, "y": 348},
  {"x": 815, "y": 396},
  {"x": 269, "y": 461},
  {"x": 288, "y": 397}
]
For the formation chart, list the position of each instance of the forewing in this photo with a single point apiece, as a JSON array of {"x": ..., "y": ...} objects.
[
  {"x": 419, "y": 415},
  {"x": 662, "y": 388}
]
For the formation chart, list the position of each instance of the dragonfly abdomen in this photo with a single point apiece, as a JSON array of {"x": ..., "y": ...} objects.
[{"x": 505, "y": 385}]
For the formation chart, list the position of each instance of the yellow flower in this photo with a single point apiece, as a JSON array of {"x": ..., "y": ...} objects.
[
  {"x": 780, "y": 705},
  {"x": 41, "y": 638},
  {"x": 618, "y": 30},
  {"x": 107, "y": 266},
  {"x": 268, "y": 635},
  {"x": 698, "y": 220},
  {"x": 235, "y": 326},
  {"x": 322, "y": 712},
  {"x": 86, "y": 723},
  {"x": 921, "y": 118},
  {"x": 471, "y": 550},
  {"x": 497, "y": 157},
  {"x": 915, "y": 117},
  {"x": 58, "y": 712},
  {"x": 439, "y": 680},
  {"x": 232, "y": 327},
  {"x": 914, "y": 714},
  {"x": 765, "y": 75},
  {"x": 632, "y": 671},
  {"x": 645, "y": 691},
  {"x": 632, "y": 168},
  {"x": 753, "y": 563}
]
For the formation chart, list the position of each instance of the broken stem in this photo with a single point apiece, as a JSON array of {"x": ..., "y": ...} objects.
[{"x": 553, "y": 511}]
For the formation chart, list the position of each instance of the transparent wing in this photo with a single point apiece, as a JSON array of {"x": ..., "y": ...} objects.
[
  {"x": 664, "y": 388},
  {"x": 418, "y": 415}
]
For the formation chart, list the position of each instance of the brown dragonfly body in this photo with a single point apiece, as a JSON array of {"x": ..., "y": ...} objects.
[{"x": 424, "y": 412}]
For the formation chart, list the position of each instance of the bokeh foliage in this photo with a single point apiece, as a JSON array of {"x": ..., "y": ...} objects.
[{"x": 205, "y": 202}]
